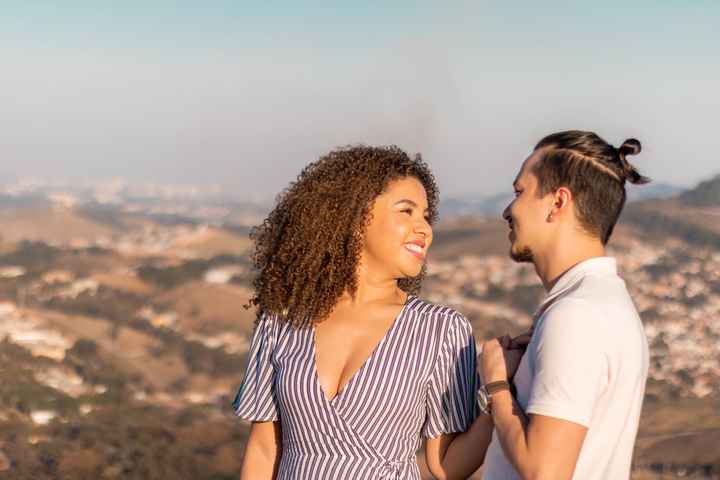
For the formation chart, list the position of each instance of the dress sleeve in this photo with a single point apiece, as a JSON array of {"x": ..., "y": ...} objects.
[
  {"x": 256, "y": 400},
  {"x": 451, "y": 402}
]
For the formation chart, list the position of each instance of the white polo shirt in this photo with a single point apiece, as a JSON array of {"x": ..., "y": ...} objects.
[{"x": 587, "y": 363}]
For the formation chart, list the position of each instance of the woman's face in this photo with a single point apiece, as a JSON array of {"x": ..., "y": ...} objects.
[{"x": 399, "y": 234}]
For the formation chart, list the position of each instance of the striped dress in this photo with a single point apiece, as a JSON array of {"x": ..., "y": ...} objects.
[{"x": 419, "y": 381}]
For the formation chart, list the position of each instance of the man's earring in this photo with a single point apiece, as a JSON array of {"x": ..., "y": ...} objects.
[{"x": 550, "y": 217}]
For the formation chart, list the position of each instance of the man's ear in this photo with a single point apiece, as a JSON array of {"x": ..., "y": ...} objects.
[{"x": 562, "y": 200}]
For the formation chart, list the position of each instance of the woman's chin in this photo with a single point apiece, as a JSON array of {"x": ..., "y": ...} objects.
[{"x": 411, "y": 272}]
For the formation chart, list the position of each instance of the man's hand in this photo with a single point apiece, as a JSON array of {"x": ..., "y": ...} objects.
[
  {"x": 521, "y": 341},
  {"x": 500, "y": 358}
]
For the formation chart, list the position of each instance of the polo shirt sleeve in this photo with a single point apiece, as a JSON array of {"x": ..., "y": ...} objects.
[{"x": 571, "y": 365}]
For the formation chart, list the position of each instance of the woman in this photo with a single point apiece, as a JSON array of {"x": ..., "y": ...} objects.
[{"x": 347, "y": 368}]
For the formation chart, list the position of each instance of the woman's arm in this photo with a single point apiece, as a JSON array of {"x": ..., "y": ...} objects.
[
  {"x": 262, "y": 452},
  {"x": 459, "y": 455}
]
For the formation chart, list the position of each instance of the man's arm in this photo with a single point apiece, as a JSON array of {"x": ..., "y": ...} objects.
[
  {"x": 539, "y": 447},
  {"x": 570, "y": 372},
  {"x": 262, "y": 452}
]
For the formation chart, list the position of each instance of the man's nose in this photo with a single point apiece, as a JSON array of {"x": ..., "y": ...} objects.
[{"x": 506, "y": 213}]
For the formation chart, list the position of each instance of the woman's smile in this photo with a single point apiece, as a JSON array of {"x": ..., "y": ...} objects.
[{"x": 416, "y": 248}]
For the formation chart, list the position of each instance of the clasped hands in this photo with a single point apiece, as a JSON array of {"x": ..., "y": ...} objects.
[{"x": 500, "y": 357}]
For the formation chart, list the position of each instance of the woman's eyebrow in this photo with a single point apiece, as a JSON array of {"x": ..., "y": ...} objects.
[
  {"x": 409, "y": 202},
  {"x": 406, "y": 200}
]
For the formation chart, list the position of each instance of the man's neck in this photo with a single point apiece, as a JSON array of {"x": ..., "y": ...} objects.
[{"x": 561, "y": 258}]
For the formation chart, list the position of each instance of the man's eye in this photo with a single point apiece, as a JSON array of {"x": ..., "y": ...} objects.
[{"x": 407, "y": 210}]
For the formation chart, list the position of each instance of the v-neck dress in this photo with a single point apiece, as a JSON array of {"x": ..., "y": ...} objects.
[{"x": 420, "y": 381}]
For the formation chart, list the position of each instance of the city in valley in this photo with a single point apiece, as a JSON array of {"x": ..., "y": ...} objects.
[{"x": 124, "y": 331}]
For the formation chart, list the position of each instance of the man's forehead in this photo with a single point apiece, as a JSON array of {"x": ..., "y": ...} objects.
[{"x": 526, "y": 168}]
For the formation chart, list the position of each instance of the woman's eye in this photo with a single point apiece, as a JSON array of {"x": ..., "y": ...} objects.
[{"x": 407, "y": 210}]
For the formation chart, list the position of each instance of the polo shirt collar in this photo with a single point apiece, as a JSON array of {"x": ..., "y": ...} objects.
[{"x": 601, "y": 265}]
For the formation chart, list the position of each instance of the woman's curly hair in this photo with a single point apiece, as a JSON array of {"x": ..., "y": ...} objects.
[{"x": 307, "y": 250}]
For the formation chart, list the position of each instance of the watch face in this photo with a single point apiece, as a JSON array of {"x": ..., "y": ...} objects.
[{"x": 483, "y": 400}]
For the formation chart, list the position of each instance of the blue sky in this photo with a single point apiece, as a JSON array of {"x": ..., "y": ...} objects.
[{"x": 243, "y": 95}]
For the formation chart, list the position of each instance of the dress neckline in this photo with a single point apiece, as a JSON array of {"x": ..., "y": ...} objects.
[{"x": 368, "y": 360}]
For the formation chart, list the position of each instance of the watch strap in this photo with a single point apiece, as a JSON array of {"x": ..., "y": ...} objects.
[{"x": 495, "y": 387}]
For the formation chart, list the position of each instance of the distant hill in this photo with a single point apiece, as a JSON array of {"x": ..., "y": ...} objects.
[
  {"x": 659, "y": 219},
  {"x": 23, "y": 201},
  {"x": 468, "y": 205},
  {"x": 692, "y": 215},
  {"x": 706, "y": 194},
  {"x": 676, "y": 432},
  {"x": 493, "y": 205},
  {"x": 655, "y": 211},
  {"x": 37, "y": 221},
  {"x": 652, "y": 191},
  {"x": 469, "y": 236}
]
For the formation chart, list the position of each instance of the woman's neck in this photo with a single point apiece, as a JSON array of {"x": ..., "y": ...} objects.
[{"x": 373, "y": 287}]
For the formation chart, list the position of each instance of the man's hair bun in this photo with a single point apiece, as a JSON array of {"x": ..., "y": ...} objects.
[{"x": 631, "y": 146}]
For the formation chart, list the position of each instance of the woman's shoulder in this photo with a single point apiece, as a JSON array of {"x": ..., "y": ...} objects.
[
  {"x": 437, "y": 313},
  {"x": 273, "y": 325}
]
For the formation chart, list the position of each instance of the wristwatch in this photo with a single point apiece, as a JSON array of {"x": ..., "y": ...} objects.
[{"x": 486, "y": 392}]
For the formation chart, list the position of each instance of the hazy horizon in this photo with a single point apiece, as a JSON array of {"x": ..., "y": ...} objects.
[{"x": 245, "y": 96}]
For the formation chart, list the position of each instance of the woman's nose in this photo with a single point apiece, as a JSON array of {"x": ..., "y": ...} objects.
[{"x": 423, "y": 228}]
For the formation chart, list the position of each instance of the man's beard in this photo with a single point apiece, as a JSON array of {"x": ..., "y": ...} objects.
[{"x": 522, "y": 255}]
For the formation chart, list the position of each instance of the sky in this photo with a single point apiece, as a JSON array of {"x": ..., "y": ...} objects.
[{"x": 243, "y": 95}]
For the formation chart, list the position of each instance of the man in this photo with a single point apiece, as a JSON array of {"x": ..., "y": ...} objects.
[{"x": 581, "y": 382}]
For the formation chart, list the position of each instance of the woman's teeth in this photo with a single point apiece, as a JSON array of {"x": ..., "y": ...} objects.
[{"x": 414, "y": 248}]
